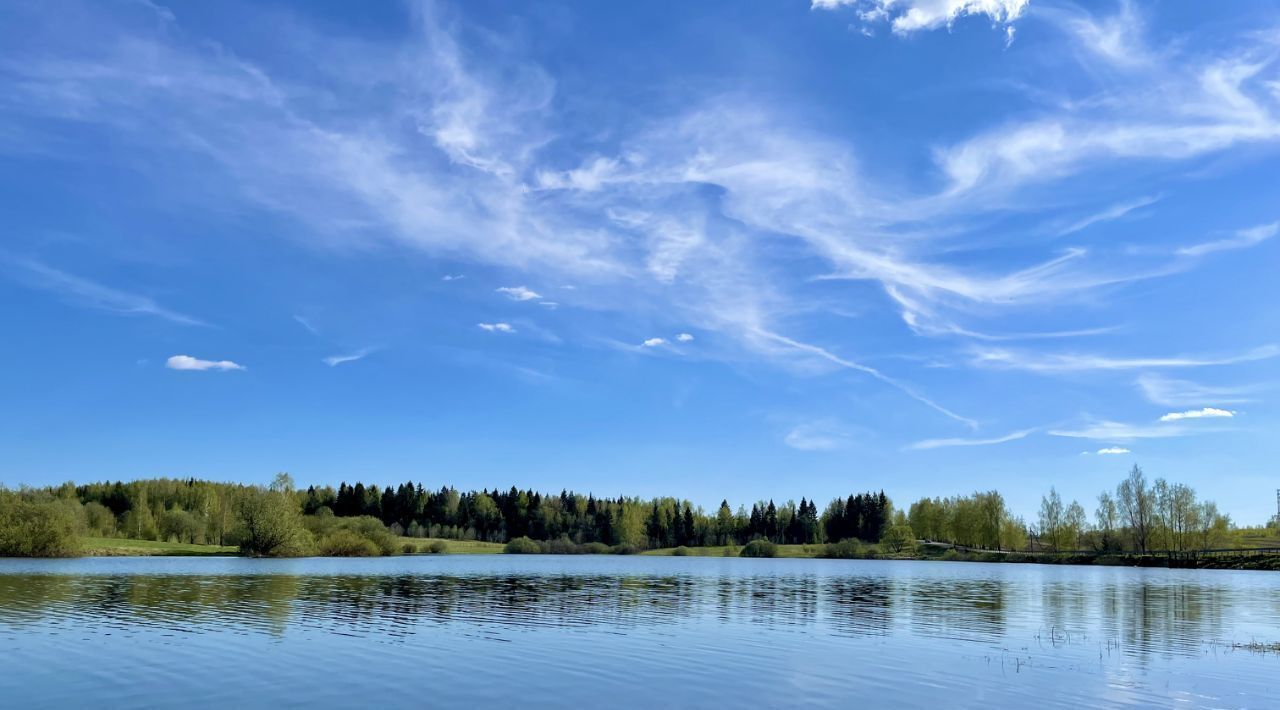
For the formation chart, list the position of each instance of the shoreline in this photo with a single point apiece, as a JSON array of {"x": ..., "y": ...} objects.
[{"x": 122, "y": 547}]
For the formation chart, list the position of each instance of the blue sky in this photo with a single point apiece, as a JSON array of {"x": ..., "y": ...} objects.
[{"x": 708, "y": 249}]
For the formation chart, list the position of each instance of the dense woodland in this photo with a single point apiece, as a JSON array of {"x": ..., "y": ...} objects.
[{"x": 365, "y": 519}]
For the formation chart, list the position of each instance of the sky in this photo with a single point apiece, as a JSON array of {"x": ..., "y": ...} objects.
[{"x": 711, "y": 250}]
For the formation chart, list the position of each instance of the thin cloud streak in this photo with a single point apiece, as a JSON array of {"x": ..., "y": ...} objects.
[
  {"x": 306, "y": 324},
  {"x": 1119, "y": 431},
  {"x": 1183, "y": 393},
  {"x": 943, "y": 443},
  {"x": 94, "y": 295},
  {"x": 1052, "y": 363},
  {"x": 850, "y": 365},
  {"x": 1243, "y": 239},
  {"x": 1112, "y": 213},
  {"x": 335, "y": 360}
]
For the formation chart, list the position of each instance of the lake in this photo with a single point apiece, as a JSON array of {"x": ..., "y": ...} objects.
[{"x": 558, "y": 631}]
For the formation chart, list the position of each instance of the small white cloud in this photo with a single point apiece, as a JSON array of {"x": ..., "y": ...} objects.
[
  {"x": 1112, "y": 451},
  {"x": 549, "y": 304},
  {"x": 519, "y": 293},
  {"x": 654, "y": 342},
  {"x": 186, "y": 362},
  {"x": 335, "y": 360},
  {"x": 453, "y": 277},
  {"x": 1206, "y": 413},
  {"x": 496, "y": 327},
  {"x": 684, "y": 338}
]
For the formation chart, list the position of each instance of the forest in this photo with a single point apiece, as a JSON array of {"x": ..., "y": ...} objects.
[{"x": 365, "y": 519}]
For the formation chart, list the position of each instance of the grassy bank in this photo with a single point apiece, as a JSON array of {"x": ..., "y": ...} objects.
[
  {"x": 1237, "y": 562},
  {"x": 801, "y": 551},
  {"x": 423, "y": 545},
  {"x": 120, "y": 547}
]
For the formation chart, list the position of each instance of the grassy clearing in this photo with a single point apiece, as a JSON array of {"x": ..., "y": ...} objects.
[
  {"x": 1257, "y": 537},
  {"x": 119, "y": 547},
  {"x": 733, "y": 550},
  {"x": 452, "y": 547}
]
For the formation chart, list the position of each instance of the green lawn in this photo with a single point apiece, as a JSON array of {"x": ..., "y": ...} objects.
[
  {"x": 453, "y": 547},
  {"x": 119, "y": 547},
  {"x": 733, "y": 550},
  {"x": 1256, "y": 537}
]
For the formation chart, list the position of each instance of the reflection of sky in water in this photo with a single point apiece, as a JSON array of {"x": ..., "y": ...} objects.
[{"x": 644, "y": 631}]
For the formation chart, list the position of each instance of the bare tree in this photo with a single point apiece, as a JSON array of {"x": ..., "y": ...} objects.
[{"x": 1134, "y": 499}]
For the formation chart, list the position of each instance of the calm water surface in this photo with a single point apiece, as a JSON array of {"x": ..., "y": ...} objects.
[{"x": 594, "y": 631}]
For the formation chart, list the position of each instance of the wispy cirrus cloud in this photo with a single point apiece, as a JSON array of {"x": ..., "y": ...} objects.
[
  {"x": 496, "y": 327},
  {"x": 1181, "y": 393},
  {"x": 638, "y": 225},
  {"x": 1155, "y": 104},
  {"x": 1113, "y": 451},
  {"x": 1119, "y": 431},
  {"x": 1110, "y": 214},
  {"x": 1079, "y": 362},
  {"x": 82, "y": 291},
  {"x": 944, "y": 443},
  {"x": 195, "y": 364},
  {"x": 1242, "y": 239},
  {"x": 342, "y": 359},
  {"x": 306, "y": 323},
  {"x": 821, "y": 435}
]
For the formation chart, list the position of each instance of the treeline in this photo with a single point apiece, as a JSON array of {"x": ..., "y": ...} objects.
[
  {"x": 366, "y": 519},
  {"x": 500, "y": 516},
  {"x": 1137, "y": 517}
]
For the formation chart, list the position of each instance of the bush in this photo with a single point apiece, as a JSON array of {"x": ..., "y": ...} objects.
[
  {"x": 347, "y": 543},
  {"x": 372, "y": 529},
  {"x": 624, "y": 549},
  {"x": 595, "y": 548},
  {"x": 438, "y": 547},
  {"x": 849, "y": 549},
  {"x": 99, "y": 521},
  {"x": 899, "y": 538},
  {"x": 522, "y": 546},
  {"x": 409, "y": 548},
  {"x": 560, "y": 546},
  {"x": 30, "y": 528},
  {"x": 759, "y": 548},
  {"x": 680, "y": 551},
  {"x": 272, "y": 525}
]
